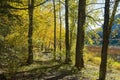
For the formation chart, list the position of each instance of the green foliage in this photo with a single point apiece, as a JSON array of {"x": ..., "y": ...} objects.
[
  {"x": 116, "y": 65},
  {"x": 10, "y": 63},
  {"x": 74, "y": 70},
  {"x": 110, "y": 62},
  {"x": 14, "y": 33}
]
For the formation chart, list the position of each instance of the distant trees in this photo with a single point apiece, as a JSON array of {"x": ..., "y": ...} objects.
[
  {"x": 7, "y": 17},
  {"x": 73, "y": 21},
  {"x": 79, "y": 62}
]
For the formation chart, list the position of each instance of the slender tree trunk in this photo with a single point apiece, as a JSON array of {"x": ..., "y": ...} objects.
[
  {"x": 106, "y": 33},
  {"x": 60, "y": 28},
  {"x": 113, "y": 14},
  {"x": 79, "y": 63},
  {"x": 30, "y": 32},
  {"x": 54, "y": 30},
  {"x": 102, "y": 73},
  {"x": 67, "y": 60},
  {"x": 72, "y": 28},
  {"x": 42, "y": 47},
  {"x": 71, "y": 38},
  {"x": 72, "y": 25}
]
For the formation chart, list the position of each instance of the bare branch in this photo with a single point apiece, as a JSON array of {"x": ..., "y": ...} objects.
[
  {"x": 98, "y": 3},
  {"x": 94, "y": 20},
  {"x": 94, "y": 10}
]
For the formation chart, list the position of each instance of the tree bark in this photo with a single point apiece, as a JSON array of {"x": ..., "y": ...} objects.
[
  {"x": 67, "y": 60},
  {"x": 79, "y": 62},
  {"x": 54, "y": 30},
  {"x": 30, "y": 32}
]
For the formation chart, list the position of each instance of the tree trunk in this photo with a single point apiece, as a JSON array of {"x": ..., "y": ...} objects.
[
  {"x": 113, "y": 14},
  {"x": 30, "y": 32},
  {"x": 67, "y": 60},
  {"x": 72, "y": 29},
  {"x": 106, "y": 33},
  {"x": 54, "y": 30},
  {"x": 60, "y": 28},
  {"x": 79, "y": 62},
  {"x": 103, "y": 65}
]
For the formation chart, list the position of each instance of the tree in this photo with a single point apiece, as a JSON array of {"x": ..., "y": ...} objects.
[
  {"x": 105, "y": 43},
  {"x": 54, "y": 29},
  {"x": 106, "y": 33},
  {"x": 79, "y": 63},
  {"x": 67, "y": 60},
  {"x": 60, "y": 19},
  {"x": 30, "y": 32},
  {"x": 7, "y": 17}
]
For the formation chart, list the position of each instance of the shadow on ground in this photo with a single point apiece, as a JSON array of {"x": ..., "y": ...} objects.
[{"x": 47, "y": 72}]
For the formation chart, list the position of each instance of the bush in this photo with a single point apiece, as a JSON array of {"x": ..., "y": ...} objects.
[
  {"x": 92, "y": 58},
  {"x": 96, "y": 60},
  {"x": 11, "y": 60},
  {"x": 116, "y": 65},
  {"x": 88, "y": 57},
  {"x": 10, "y": 64},
  {"x": 110, "y": 62}
]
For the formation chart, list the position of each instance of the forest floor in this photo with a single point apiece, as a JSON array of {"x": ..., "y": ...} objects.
[{"x": 49, "y": 70}]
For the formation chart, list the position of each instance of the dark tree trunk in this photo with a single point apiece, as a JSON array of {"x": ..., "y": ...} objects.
[
  {"x": 106, "y": 33},
  {"x": 60, "y": 28},
  {"x": 79, "y": 62},
  {"x": 30, "y": 32},
  {"x": 102, "y": 73},
  {"x": 54, "y": 30},
  {"x": 67, "y": 60},
  {"x": 42, "y": 47}
]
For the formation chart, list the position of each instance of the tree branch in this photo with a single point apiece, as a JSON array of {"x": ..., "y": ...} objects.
[
  {"x": 93, "y": 20},
  {"x": 11, "y": 7}
]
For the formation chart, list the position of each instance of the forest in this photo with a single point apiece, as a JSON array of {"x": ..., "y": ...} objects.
[{"x": 59, "y": 40}]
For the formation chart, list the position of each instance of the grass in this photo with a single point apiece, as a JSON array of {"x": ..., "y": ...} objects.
[
  {"x": 46, "y": 69},
  {"x": 92, "y": 72},
  {"x": 111, "y": 50},
  {"x": 94, "y": 56}
]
